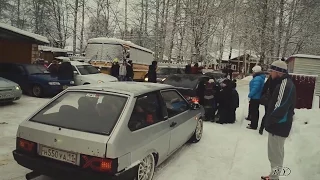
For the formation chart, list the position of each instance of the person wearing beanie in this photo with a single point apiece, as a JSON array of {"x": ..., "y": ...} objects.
[
  {"x": 256, "y": 87},
  {"x": 278, "y": 121}
]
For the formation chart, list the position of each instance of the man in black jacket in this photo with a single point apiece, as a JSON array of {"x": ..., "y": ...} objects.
[
  {"x": 268, "y": 87},
  {"x": 152, "y": 73},
  {"x": 279, "y": 117}
]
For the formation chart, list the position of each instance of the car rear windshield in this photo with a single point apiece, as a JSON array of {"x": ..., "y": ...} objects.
[
  {"x": 87, "y": 112},
  {"x": 184, "y": 81}
]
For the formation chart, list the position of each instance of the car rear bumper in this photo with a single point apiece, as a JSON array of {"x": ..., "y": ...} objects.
[{"x": 60, "y": 170}]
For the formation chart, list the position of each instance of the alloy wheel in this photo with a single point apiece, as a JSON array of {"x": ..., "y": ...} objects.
[{"x": 146, "y": 168}]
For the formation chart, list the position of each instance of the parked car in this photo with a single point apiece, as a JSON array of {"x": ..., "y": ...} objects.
[
  {"x": 85, "y": 73},
  {"x": 191, "y": 86},
  {"x": 34, "y": 79},
  {"x": 164, "y": 71},
  {"x": 9, "y": 91},
  {"x": 107, "y": 131}
]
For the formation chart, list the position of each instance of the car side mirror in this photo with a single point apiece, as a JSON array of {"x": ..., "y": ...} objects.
[
  {"x": 75, "y": 72},
  {"x": 194, "y": 106}
]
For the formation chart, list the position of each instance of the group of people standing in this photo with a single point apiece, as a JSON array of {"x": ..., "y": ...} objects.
[
  {"x": 123, "y": 71},
  {"x": 222, "y": 99},
  {"x": 278, "y": 96}
]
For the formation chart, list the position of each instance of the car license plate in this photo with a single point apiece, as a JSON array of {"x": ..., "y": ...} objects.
[
  {"x": 58, "y": 154},
  {"x": 65, "y": 87},
  {"x": 6, "y": 96}
]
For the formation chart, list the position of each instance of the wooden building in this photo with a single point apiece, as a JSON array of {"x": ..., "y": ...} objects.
[
  {"x": 19, "y": 46},
  {"x": 50, "y": 53}
]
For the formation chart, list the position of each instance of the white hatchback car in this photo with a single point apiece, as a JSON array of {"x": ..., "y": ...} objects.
[
  {"x": 109, "y": 131},
  {"x": 87, "y": 74}
]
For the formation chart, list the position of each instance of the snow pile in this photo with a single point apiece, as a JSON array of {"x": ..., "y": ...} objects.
[
  {"x": 305, "y": 137},
  {"x": 248, "y": 78},
  {"x": 25, "y": 33}
]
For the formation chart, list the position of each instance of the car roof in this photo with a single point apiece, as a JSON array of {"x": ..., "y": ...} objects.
[
  {"x": 131, "y": 88},
  {"x": 77, "y": 63}
]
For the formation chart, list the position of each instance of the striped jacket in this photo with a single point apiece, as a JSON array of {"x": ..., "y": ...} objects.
[{"x": 281, "y": 108}]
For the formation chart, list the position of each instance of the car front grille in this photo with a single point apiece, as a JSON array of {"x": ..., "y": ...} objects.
[{"x": 6, "y": 89}]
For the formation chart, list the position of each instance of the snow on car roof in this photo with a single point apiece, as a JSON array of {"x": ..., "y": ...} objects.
[
  {"x": 132, "y": 88},
  {"x": 104, "y": 40},
  {"x": 51, "y": 49},
  {"x": 305, "y": 56},
  {"x": 25, "y": 33}
]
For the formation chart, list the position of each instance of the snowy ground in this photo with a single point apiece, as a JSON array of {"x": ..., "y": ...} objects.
[{"x": 226, "y": 152}]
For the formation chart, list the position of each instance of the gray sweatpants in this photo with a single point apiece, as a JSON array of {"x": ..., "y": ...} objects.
[{"x": 276, "y": 155}]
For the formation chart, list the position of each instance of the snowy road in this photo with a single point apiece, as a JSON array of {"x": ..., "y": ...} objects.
[{"x": 226, "y": 152}]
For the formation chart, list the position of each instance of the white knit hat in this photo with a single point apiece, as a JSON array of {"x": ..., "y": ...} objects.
[
  {"x": 257, "y": 69},
  {"x": 279, "y": 66}
]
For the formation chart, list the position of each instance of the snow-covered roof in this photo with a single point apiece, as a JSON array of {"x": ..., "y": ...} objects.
[
  {"x": 51, "y": 49},
  {"x": 305, "y": 56},
  {"x": 234, "y": 54},
  {"x": 104, "y": 40},
  {"x": 36, "y": 37}
]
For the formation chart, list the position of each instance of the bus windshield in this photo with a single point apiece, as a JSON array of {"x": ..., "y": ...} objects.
[{"x": 104, "y": 52}]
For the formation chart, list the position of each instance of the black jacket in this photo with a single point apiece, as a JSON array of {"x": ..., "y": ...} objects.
[
  {"x": 281, "y": 108},
  {"x": 152, "y": 74},
  {"x": 115, "y": 70},
  {"x": 271, "y": 85},
  {"x": 129, "y": 69},
  {"x": 65, "y": 71}
]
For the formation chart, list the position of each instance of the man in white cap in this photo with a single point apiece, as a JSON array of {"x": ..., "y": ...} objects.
[{"x": 279, "y": 117}]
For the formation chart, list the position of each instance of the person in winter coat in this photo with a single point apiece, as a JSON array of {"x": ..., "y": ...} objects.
[
  {"x": 115, "y": 68},
  {"x": 195, "y": 69},
  {"x": 152, "y": 73},
  {"x": 279, "y": 117},
  {"x": 256, "y": 87},
  {"x": 267, "y": 91},
  {"x": 225, "y": 100},
  {"x": 235, "y": 102},
  {"x": 187, "y": 69},
  {"x": 123, "y": 71},
  {"x": 130, "y": 73},
  {"x": 65, "y": 71},
  {"x": 209, "y": 93}
]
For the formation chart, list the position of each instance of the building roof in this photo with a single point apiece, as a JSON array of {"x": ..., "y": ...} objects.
[
  {"x": 305, "y": 56},
  {"x": 36, "y": 37},
  {"x": 234, "y": 54},
  {"x": 105, "y": 40},
  {"x": 51, "y": 49},
  {"x": 131, "y": 88}
]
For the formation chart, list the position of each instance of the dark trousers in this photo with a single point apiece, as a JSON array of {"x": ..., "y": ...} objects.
[
  {"x": 263, "y": 119},
  {"x": 209, "y": 113},
  {"x": 254, "y": 112}
]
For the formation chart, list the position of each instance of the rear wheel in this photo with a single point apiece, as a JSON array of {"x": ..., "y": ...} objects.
[
  {"x": 146, "y": 168},
  {"x": 36, "y": 91},
  {"x": 197, "y": 135}
]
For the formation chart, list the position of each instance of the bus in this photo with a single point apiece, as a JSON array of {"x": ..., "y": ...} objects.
[{"x": 102, "y": 51}]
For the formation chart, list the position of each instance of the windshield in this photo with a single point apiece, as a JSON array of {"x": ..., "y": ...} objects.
[
  {"x": 168, "y": 71},
  {"x": 104, "y": 52},
  {"x": 36, "y": 69},
  {"x": 184, "y": 81},
  {"x": 83, "y": 111},
  {"x": 88, "y": 69}
]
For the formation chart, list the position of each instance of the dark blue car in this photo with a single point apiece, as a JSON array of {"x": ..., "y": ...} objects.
[{"x": 34, "y": 79}]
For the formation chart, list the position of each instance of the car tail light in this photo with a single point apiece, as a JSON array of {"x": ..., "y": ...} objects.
[
  {"x": 99, "y": 164},
  {"x": 26, "y": 145},
  {"x": 192, "y": 99}
]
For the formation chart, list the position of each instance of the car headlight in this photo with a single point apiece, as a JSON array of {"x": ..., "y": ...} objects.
[
  {"x": 54, "y": 83},
  {"x": 146, "y": 79},
  {"x": 100, "y": 81},
  {"x": 71, "y": 82},
  {"x": 17, "y": 88},
  {"x": 163, "y": 79}
]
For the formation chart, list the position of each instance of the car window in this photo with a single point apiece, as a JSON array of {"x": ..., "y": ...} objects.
[
  {"x": 36, "y": 69},
  {"x": 88, "y": 69},
  {"x": 175, "y": 104},
  {"x": 19, "y": 70},
  {"x": 82, "y": 111},
  {"x": 74, "y": 68},
  {"x": 146, "y": 112}
]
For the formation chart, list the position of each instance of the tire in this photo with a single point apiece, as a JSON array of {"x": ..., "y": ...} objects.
[
  {"x": 36, "y": 91},
  {"x": 145, "y": 170},
  {"x": 197, "y": 135}
]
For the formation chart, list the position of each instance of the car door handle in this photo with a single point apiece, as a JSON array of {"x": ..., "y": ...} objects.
[{"x": 173, "y": 124}]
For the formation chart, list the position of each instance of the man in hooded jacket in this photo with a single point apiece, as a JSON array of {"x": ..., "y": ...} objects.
[{"x": 256, "y": 87}]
